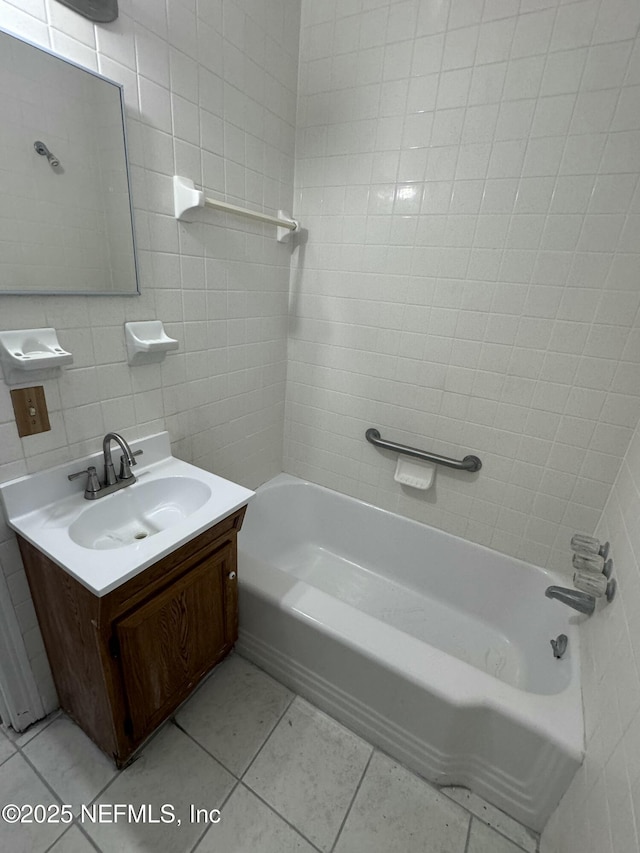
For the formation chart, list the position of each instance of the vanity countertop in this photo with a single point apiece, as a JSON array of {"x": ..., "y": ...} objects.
[{"x": 103, "y": 543}]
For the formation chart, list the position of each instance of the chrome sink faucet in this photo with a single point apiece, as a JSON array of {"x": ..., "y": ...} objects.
[
  {"x": 580, "y": 601},
  {"x": 112, "y": 483},
  {"x": 126, "y": 460}
]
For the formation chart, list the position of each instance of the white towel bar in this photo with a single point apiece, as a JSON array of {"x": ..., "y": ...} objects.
[{"x": 188, "y": 198}]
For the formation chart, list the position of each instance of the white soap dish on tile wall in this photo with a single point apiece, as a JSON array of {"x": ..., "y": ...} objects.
[
  {"x": 414, "y": 473},
  {"x": 31, "y": 355},
  {"x": 147, "y": 342}
]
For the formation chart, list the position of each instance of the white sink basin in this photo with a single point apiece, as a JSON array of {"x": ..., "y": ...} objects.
[
  {"x": 171, "y": 503},
  {"x": 138, "y": 511}
]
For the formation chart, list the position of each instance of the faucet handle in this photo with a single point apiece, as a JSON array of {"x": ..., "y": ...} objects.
[
  {"x": 582, "y": 542},
  {"x": 125, "y": 465},
  {"x": 590, "y": 582},
  {"x": 587, "y": 545},
  {"x": 588, "y": 562},
  {"x": 93, "y": 484}
]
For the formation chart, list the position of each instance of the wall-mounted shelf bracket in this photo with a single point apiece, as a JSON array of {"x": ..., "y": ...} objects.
[{"x": 186, "y": 198}]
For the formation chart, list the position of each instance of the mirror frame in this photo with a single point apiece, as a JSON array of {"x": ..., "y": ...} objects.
[{"x": 136, "y": 266}]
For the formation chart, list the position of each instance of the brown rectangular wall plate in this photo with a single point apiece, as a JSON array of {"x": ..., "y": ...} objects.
[{"x": 30, "y": 408}]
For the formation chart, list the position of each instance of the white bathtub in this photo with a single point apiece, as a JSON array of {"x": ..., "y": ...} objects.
[{"x": 435, "y": 649}]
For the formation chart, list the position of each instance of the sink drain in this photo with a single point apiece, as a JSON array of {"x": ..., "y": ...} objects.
[{"x": 141, "y": 535}]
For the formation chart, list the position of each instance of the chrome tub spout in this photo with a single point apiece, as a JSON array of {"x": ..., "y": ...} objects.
[{"x": 580, "y": 601}]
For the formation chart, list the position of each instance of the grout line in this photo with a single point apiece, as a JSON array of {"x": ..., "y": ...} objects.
[
  {"x": 497, "y": 832},
  {"x": 87, "y": 836},
  {"x": 209, "y": 828},
  {"x": 204, "y": 749},
  {"x": 500, "y": 834},
  {"x": 443, "y": 791},
  {"x": 480, "y": 820},
  {"x": 28, "y": 761},
  {"x": 353, "y": 798},
  {"x": 10, "y": 756},
  {"x": 271, "y": 808},
  {"x": 279, "y": 720},
  {"x": 57, "y": 798},
  {"x": 78, "y": 826},
  {"x": 119, "y": 771},
  {"x": 237, "y": 778}
]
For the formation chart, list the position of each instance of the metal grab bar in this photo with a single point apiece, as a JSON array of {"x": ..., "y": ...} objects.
[{"x": 469, "y": 463}]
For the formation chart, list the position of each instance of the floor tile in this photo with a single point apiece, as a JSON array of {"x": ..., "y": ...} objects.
[
  {"x": 73, "y": 841},
  {"x": 248, "y": 826},
  {"x": 483, "y": 839},
  {"x": 68, "y": 761},
  {"x": 492, "y": 816},
  {"x": 396, "y": 812},
  {"x": 6, "y": 748},
  {"x": 234, "y": 712},
  {"x": 171, "y": 770},
  {"x": 19, "y": 785},
  {"x": 309, "y": 770}
]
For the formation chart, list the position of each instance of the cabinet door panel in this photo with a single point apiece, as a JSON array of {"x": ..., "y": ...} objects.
[
  {"x": 168, "y": 643},
  {"x": 230, "y": 582}
]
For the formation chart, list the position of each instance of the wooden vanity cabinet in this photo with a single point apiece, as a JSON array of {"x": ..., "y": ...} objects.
[{"x": 123, "y": 662}]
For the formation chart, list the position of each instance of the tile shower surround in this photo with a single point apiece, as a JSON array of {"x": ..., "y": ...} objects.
[
  {"x": 210, "y": 93},
  {"x": 468, "y": 173},
  {"x": 521, "y": 343}
]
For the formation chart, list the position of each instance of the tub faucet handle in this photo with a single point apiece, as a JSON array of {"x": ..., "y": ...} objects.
[
  {"x": 588, "y": 562},
  {"x": 589, "y": 546}
]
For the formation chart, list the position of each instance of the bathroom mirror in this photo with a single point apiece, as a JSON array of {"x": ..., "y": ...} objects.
[{"x": 66, "y": 224}]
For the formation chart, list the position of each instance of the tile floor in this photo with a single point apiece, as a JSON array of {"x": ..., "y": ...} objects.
[{"x": 284, "y": 775}]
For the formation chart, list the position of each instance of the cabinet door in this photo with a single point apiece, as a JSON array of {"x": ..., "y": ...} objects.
[{"x": 168, "y": 643}]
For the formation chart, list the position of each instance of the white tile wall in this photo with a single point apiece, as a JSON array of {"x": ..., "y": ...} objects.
[
  {"x": 600, "y": 813},
  {"x": 210, "y": 93},
  {"x": 468, "y": 173}
]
